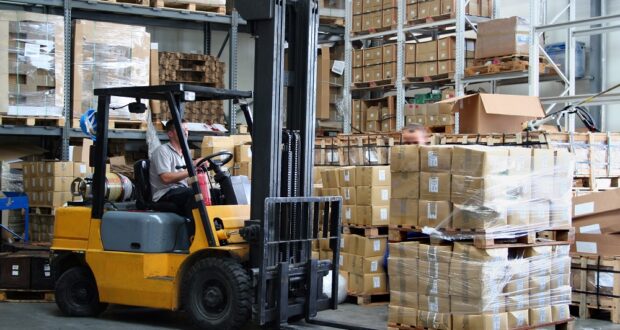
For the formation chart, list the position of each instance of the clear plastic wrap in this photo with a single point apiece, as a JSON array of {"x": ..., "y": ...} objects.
[
  {"x": 456, "y": 283},
  {"x": 499, "y": 192},
  {"x": 31, "y": 64},
  {"x": 11, "y": 179},
  {"x": 102, "y": 59}
]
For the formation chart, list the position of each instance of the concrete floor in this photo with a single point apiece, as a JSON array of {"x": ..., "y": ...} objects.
[{"x": 47, "y": 316}]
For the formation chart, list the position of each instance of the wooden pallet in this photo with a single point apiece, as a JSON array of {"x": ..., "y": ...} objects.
[
  {"x": 584, "y": 269},
  {"x": 332, "y": 20},
  {"x": 366, "y": 231},
  {"x": 501, "y": 67},
  {"x": 381, "y": 29},
  {"x": 559, "y": 325},
  {"x": 27, "y": 296},
  {"x": 595, "y": 183},
  {"x": 525, "y": 139},
  {"x": 400, "y": 233},
  {"x": 430, "y": 19},
  {"x": 531, "y": 238},
  {"x": 205, "y": 6},
  {"x": 373, "y": 84},
  {"x": 32, "y": 121},
  {"x": 137, "y": 125},
  {"x": 129, "y": 2},
  {"x": 369, "y": 299},
  {"x": 435, "y": 79}
]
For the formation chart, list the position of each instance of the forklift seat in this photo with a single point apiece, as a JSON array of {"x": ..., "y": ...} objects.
[{"x": 144, "y": 198}]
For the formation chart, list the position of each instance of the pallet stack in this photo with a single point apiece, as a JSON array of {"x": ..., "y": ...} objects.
[
  {"x": 26, "y": 276},
  {"x": 374, "y": 115},
  {"x": 374, "y": 66},
  {"x": 374, "y": 15},
  {"x": 436, "y": 59},
  {"x": 195, "y": 69},
  {"x": 238, "y": 145},
  {"x": 420, "y": 11},
  {"x": 355, "y": 149},
  {"x": 486, "y": 210}
]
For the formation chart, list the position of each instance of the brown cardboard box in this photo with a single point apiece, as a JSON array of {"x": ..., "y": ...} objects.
[
  {"x": 410, "y": 70},
  {"x": 518, "y": 319},
  {"x": 409, "y": 120},
  {"x": 389, "y": 70},
  {"x": 373, "y": 175},
  {"x": 349, "y": 213},
  {"x": 494, "y": 113},
  {"x": 368, "y": 283},
  {"x": 402, "y": 315},
  {"x": 368, "y": 247},
  {"x": 435, "y": 253},
  {"x": 596, "y": 244},
  {"x": 373, "y": 56},
  {"x": 435, "y": 186},
  {"x": 81, "y": 170},
  {"x": 479, "y": 190},
  {"x": 330, "y": 178},
  {"x": 56, "y": 198},
  {"x": 373, "y": 113},
  {"x": 373, "y": 215},
  {"x": 410, "y": 109},
  {"x": 389, "y": 53},
  {"x": 490, "y": 286},
  {"x": 445, "y": 120},
  {"x": 475, "y": 305},
  {"x": 346, "y": 176},
  {"x": 560, "y": 313},
  {"x": 434, "y": 304},
  {"x": 405, "y": 250},
  {"x": 389, "y": 17},
  {"x": 404, "y": 211},
  {"x": 429, "y": 8},
  {"x": 370, "y": 265},
  {"x": 421, "y": 120},
  {"x": 432, "y": 109},
  {"x": 400, "y": 271},
  {"x": 435, "y": 158},
  {"x": 595, "y": 203},
  {"x": 433, "y": 286},
  {"x": 410, "y": 54},
  {"x": 424, "y": 69},
  {"x": 358, "y": 58},
  {"x": 373, "y": 73},
  {"x": 497, "y": 321},
  {"x": 503, "y": 37},
  {"x": 358, "y": 75},
  {"x": 432, "y": 320},
  {"x": 357, "y": 25},
  {"x": 543, "y": 162},
  {"x": 519, "y": 286},
  {"x": 330, "y": 192},
  {"x": 470, "y": 252},
  {"x": 326, "y": 255},
  {"x": 559, "y": 281},
  {"x": 446, "y": 48},
  {"x": 243, "y": 153},
  {"x": 426, "y": 51},
  {"x": 405, "y": 185},
  {"x": 539, "y": 285},
  {"x": 435, "y": 213},
  {"x": 405, "y": 158},
  {"x": 372, "y": 5},
  {"x": 411, "y": 12},
  {"x": 540, "y": 315},
  {"x": 434, "y": 269},
  {"x": 58, "y": 184},
  {"x": 373, "y": 126},
  {"x": 322, "y": 89},
  {"x": 601, "y": 223},
  {"x": 404, "y": 299},
  {"x": 373, "y": 196},
  {"x": 387, "y": 113},
  {"x": 518, "y": 303},
  {"x": 358, "y": 7},
  {"x": 390, "y": 4},
  {"x": 58, "y": 169},
  {"x": 519, "y": 161},
  {"x": 348, "y": 195},
  {"x": 486, "y": 8},
  {"x": 479, "y": 217},
  {"x": 479, "y": 160}
]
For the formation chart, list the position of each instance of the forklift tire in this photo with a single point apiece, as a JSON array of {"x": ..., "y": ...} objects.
[
  {"x": 217, "y": 294},
  {"x": 76, "y": 293}
]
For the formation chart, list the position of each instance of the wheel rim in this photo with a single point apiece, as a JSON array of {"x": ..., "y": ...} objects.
[
  {"x": 214, "y": 298},
  {"x": 82, "y": 293}
]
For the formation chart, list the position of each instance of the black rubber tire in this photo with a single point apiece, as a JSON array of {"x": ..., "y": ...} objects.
[
  {"x": 76, "y": 293},
  {"x": 217, "y": 294}
]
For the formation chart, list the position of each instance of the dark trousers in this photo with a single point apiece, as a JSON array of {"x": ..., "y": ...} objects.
[{"x": 184, "y": 200}]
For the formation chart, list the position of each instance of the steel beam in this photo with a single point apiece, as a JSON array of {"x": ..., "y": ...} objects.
[{"x": 576, "y": 23}]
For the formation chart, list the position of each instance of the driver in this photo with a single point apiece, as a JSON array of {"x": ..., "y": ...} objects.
[{"x": 168, "y": 175}]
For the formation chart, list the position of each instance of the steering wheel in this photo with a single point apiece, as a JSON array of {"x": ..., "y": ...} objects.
[{"x": 215, "y": 164}]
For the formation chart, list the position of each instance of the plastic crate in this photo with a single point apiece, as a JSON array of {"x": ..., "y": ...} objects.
[{"x": 557, "y": 53}]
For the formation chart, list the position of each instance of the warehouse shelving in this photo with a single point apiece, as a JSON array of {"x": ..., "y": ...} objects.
[
  {"x": 461, "y": 24},
  {"x": 540, "y": 26},
  {"x": 128, "y": 14}
]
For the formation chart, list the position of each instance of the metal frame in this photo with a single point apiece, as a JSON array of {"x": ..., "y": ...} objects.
[
  {"x": 120, "y": 13},
  {"x": 538, "y": 13}
]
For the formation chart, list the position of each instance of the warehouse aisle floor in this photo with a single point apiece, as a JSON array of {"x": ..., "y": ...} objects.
[{"x": 47, "y": 316}]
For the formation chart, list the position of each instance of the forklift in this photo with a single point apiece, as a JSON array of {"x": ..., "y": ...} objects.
[{"x": 242, "y": 263}]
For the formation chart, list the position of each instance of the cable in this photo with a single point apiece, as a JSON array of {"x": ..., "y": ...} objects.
[{"x": 120, "y": 107}]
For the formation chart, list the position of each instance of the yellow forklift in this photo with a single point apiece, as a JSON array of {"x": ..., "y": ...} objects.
[{"x": 234, "y": 263}]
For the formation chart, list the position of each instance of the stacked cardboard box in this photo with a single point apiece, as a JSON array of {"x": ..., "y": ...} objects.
[
  {"x": 31, "y": 66},
  {"x": 458, "y": 286},
  {"x": 372, "y": 15},
  {"x": 374, "y": 116},
  {"x": 429, "y": 114},
  {"x": 374, "y": 64},
  {"x": 330, "y": 81},
  {"x": 503, "y": 37},
  {"x": 500, "y": 190},
  {"x": 419, "y": 9},
  {"x": 238, "y": 145},
  {"x": 435, "y": 57},
  {"x": 362, "y": 258}
]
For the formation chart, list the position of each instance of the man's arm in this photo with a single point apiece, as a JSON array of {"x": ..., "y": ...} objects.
[
  {"x": 172, "y": 177},
  {"x": 162, "y": 164}
]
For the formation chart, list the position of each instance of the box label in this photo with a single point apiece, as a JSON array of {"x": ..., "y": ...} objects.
[
  {"x": 342, "y": 241},
  {"x": 381, "y": 175},
  {"x": 347, "y": 214},
  {"x": 341, "y": 260},
  {"x": 376, "y": 245},
  {"x": 584, "y": 208},
  {"x": 432, "y": 159},
  {"x": 384, "y": 214},
  {"x": 347, "y": 194},
  {"x": 586, "y": 247},
  {"x": 376, "y": 282},
  {"x": 433, "y": 184},
  {"x": 431, "y": 210},
  {"x": 590, "y": 229},
  {"x": 385, "y": 194},
  {"x": 433, "y": 306},
  {"x": 32, "y": 50},
  {"x": 496, "y": 322},
  {"x": 374, "y": 265},
  {"x": 347, "y": 176}
]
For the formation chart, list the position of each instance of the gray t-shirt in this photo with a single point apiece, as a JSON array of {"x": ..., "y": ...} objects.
[{"x": 164, "y": 159}]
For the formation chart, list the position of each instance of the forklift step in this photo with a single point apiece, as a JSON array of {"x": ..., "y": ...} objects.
[{"x": 27, "y": 296}]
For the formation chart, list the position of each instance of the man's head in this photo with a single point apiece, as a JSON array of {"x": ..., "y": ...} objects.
[
  {"x": 172, "y": 133},
  {"x": 415, "y": 134}
]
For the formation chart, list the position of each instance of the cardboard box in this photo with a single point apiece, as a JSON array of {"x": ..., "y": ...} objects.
[
  {"x": 81, "y": 170},
  {"x": 348, "y": 243},
  {"x": 497, "y": 321},
  {"x": 400, "y": 271},
  {"x": 368, "y": 247},
  {"x": 370, "y": 265},
  {"x": 402, "y": 315},
  {"x": 435, "y": 253},
  {"x": 481, "y": 190},
  {"x": 435, "y": 158},
  {"x": 486, "y": 287},
  {"x": 330, "y": 178},
  {"x": 373, "y": 126},
  {"x": 373, "y": 175},
  {"x": 389, "y": 53},
  {"x": 372, "y": 5},
  {"x": 432, "y": 286},
  {"x": 348, "y": 195},
  {"x": 405, "y": 158},
  {"x": 479, "y": 217},
  {"x": 411, "y": 14},
  {"x": 368, "y": 283},
  {"x": 429, "y": 8},
  {"x": 539, "y": 214},
  {"x": 405, "y": 185},
  {"x": 373, "y": 196},
  {"x": 358, "y": 75},
  {"x": 390, "y": 18},
  {"x": 58, "y": 184},
  {"x": 560, "y": 313},
  {"x": 373, "y": 215},
  {"x": 243, "y": 153},
  {"x": 410, "y": 70},
  {"x": 559, "y": 281},
  {"x": 358, "y": 58},
  {"x": 446, "y": 48},
  {"x": 410, "y": 54},
  {"x": 373, "y": 56},
  {"x": 405, "y": 250},
  {"x": 479, "y": 161},
  {"x": 426, "y": 51},
  {"x": 435, "y": 213},
  {"x": 435, "y": 186},
  {"x": 389, "y": 70},
  {"x": 596, "y": 244},
  {"x": 518, "y": 303},
  {"x": 404, "y": 211},
  {"x": 357, "y": 7},
  {"x": 600, "y": 223},
  {"x": 517, "y": 287},
  {"x": 540, "y": 315},
  {"x": 475, "y": 305},
  {"x": 373, "y": 113},
  {"x": 503, "y": 37},
  {"x": 518, "y": 319},
  {"x": 58, "y": 169},
  {"x": 433, "y": 320},
  {"x": 434, "y": 269},
  {"x": 434, "y": 304},
  {"x": 373, "y": 73},
  {"x": 494, "y": 113},
  {"x": 595, "y": 203},
  {"x": 425, "y": 69},
  {"x": 349, "y": 213},
  {"x": 346, "y": 176},
  {"x": 404, "y": 299},
  {"x": 357, "y": 23},
  {"x": 56, "y": 198}
]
